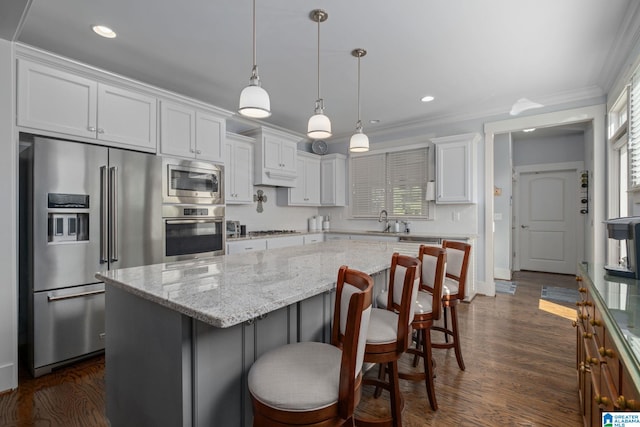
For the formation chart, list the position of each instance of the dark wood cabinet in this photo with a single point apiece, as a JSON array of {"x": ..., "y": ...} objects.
[{"x": 606, "y": 363}]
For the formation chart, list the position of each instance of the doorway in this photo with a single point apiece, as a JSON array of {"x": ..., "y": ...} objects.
[{"x": 594, "y": 157}]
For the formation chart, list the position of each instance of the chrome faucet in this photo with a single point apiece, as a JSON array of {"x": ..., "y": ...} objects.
[{"x": 386, "y": 220}]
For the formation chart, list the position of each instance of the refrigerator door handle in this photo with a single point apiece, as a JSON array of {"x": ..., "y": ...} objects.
[
  {"x": 78, "y": 295},
  {"x": 113, "y": 175},
  {"x": 104, "y": 214}
]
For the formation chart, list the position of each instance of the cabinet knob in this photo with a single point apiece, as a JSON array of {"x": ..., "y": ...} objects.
[
  {"x": 582, "y": 290},
  {"x": 587, "y": 335},
  {"x": 578, "y": 278},
  {"x": 595, "y": 322},
  {"x": 100, "y": 130},
  {"x": 191, "y": 150},
  {"x": 91, "y": 129},
  {"x": 591, "y": 361},
  {"x": 606, "y": 352},
  {"x": 198, "y": 152},
  {"x": 602, "y": 400},
  {"x": 623, "y": 403}
]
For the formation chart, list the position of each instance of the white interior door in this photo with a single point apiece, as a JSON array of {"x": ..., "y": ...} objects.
[{"x": 548, "y": 219}]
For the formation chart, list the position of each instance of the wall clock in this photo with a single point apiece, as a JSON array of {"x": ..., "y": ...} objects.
[{"x": 319, "y": 147}]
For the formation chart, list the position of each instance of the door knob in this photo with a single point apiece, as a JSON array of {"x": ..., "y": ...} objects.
[{"x": 524, "y": 226}]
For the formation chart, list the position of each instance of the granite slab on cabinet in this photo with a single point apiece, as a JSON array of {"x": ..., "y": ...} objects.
[{"x": 181, "y": 337}]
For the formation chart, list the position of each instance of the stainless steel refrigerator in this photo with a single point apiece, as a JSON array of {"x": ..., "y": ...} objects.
[{"x": 83, "y": 208}]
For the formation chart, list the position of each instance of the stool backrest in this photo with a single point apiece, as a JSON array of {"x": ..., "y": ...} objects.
[
  {"x": 434, "y": 265},
  {"x": 352, "y": 311},
  {"x": 404, "y": 283},
  {"x": 457, "y": 262}
]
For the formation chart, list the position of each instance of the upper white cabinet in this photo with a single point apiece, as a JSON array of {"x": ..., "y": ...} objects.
[
  {"x": 58, "y": 101},
  {"x": 455, "y": 168},
  {"x": 307, "y": 189},
  {"x": 333, "y": 180},
  {"x": 191, "y": 133},
  {"x": 238, "y": 169},
  {"x": 275, "y": 159}
]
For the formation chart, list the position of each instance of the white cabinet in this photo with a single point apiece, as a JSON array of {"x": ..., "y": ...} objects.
[
  {"x": 333, "y": 180},
  {"x": 238, "y": 169},
  {"x": 250, "y": 245},
  {"x": 284, "y": 242},
  {"x": 307, "y": 189},
  {"x": 455, "y": 168},
  {"x": 57, "y": 101},
  {"x": 313, "y": 238},
  {"x": 191, "y": 133},
  {"x": 275, "y": 157}
]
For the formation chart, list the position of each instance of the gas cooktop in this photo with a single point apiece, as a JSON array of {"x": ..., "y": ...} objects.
[{"x": 270, "y": 232}]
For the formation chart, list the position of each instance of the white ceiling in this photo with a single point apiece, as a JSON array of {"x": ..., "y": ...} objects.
[{"x": 476, "y": 57}]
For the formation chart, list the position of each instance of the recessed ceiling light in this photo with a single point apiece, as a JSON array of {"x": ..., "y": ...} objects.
[
  {"x": 528, "y": 130},
  {"x": 103, "y": 31},
  {"x": 374, "y": 121},
  {"x": 427, "y": 98}
]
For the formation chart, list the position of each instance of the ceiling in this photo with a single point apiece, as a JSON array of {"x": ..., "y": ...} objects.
[{"x": 475, "y": 57}]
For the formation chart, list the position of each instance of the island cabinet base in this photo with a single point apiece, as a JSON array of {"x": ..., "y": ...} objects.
[{"x": 167, "y": 369}]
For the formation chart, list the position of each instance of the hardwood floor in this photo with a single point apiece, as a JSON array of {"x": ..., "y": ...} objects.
[{"x": 520, "y": 371}]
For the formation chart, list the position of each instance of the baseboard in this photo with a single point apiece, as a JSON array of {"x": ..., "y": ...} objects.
[
  {"x": 484, "y": 288},
  {"x": 502, "y": 274},
  {"x": 8, "y": 377}
]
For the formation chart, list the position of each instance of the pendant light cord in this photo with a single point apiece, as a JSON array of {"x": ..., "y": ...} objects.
[
  {"x": 255, "y": 62},
  {"x": 359, "y": 121},
  {"x": 318, "y": 59}
]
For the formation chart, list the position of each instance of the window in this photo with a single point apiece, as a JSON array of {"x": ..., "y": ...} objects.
[{"x": 395, "y": 181}]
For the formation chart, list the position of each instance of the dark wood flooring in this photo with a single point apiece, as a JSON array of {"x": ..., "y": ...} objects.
[{"x": 519, "y": 353}]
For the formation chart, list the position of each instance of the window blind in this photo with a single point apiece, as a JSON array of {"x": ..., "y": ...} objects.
[
  {"x": 395, "y": 181},
  {"x": 634, "y": 132},
  {"x": 368, "y": 185}
]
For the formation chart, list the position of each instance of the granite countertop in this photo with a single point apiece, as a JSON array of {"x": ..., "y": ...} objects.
[{"x": 229, "y": 289}]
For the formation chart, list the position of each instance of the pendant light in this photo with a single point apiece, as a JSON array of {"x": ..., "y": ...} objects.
[
  {"x": 254, "y": 100},
  {"x": 359, "y": 142},
  {"x": 319, "y": 126}
]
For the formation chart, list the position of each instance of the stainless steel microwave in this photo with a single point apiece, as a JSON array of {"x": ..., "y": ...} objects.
[{"x": 192, "y": 182}]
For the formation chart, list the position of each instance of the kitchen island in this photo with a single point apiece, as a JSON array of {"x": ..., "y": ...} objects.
[{"x": 181, "y": 337}]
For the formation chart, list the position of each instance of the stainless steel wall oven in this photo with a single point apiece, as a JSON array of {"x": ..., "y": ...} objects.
[{"x": 193, "y": 231}]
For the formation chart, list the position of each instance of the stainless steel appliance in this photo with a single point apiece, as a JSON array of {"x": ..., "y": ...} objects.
[
  {"x": 233, "y": 229},
  {"x": 627, "y": 229},
  {"x": 192, "y": 231},
  {"x": 192, "y": 182},
  {"x": 83, "y": 208}
]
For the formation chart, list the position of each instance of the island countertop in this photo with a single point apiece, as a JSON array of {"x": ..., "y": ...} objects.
[{"x": 229, "y": 289}]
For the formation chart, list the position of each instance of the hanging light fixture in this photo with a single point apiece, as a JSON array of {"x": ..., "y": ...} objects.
[
  {"x": 254, "y": 100},
  {"x": 359, "y": 142},
  {"x": 319, "y": 126}
]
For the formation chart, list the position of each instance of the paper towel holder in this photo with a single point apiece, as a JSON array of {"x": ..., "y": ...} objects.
[{"x": 430, "y": 193}]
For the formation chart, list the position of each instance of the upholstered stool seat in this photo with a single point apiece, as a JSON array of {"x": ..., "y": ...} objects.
[
  {"x": 279, "y": 381},
  {"x": 383, "y": 327}
]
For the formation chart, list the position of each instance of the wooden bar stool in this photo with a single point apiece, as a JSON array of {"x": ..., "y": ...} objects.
[
  {"x": 389, "y": 334},
  {"x": 427, "y": 309},
  {"x": 453, "y": 292},
  {"x": 317, "y": 384}
]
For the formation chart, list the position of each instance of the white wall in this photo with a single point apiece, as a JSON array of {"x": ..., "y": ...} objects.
[
  {"x": 273, "y": 217},
  {"x": 543, "y": 150},
  {"x": 8, "y": 221},
  {"x": 503, "y": 181}
]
